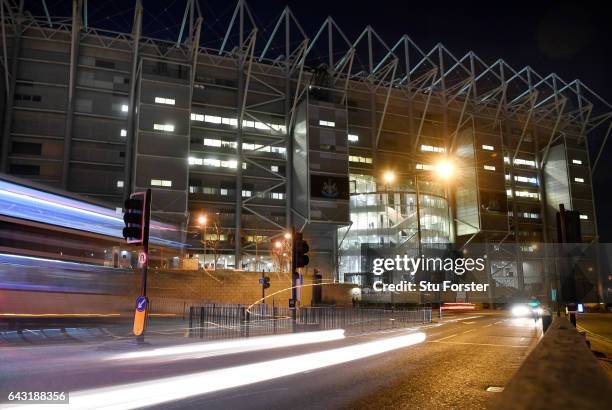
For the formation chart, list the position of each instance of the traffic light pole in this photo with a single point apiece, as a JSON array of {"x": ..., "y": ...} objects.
[
  {"x": 137, "y": 220},
  {"x": 294, "y": 275},
  {"x": 145, "y": 244}
]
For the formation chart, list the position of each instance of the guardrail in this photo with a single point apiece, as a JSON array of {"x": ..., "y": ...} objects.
[
  {"x": 560, "y": 373},
  {"x": 228, "y": 321}
]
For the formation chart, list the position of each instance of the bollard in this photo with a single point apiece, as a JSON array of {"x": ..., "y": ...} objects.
[
  {"x": 546, "y": 321},
  {"x": 572, "y": 318}
]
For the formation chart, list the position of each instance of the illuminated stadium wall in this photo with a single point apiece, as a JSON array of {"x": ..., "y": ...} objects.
[{"x": 211, "y": 130}]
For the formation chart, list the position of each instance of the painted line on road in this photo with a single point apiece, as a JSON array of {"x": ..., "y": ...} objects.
[
  {"x": 605, "y": 339},
  {"x": 468, "y": 323},
  {"x": 476, "y": 344},
  {"x": 444, "y": 338},
  {"x": 467, "y": 331}
]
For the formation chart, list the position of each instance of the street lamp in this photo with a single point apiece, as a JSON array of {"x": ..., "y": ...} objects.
[
  {"x": 445, "y": 169},
  {"x": 202, "y": 223},
  {"x": 389, "y": 177}
]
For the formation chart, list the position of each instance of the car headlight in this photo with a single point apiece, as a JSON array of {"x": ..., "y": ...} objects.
[
  {"x": 520, "y": 310},
  {"x": 538, "y": 311}
]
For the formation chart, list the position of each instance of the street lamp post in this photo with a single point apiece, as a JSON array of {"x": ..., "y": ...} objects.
[{"x": 202, "y": 221}]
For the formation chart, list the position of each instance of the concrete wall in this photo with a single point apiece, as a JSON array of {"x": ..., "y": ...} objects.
[
  {"x": 224, "y": 287},
  {"x": 560, "y": 373}
]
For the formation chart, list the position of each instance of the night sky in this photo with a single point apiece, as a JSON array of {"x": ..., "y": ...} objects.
[{"x": 572, "y": 39}]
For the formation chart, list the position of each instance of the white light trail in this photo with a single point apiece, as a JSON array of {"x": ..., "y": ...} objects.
[
  {"x": 154, "y": 392},
  {"x": 196, "y": 350}
]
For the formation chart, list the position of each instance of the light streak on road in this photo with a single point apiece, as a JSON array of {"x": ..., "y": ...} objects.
[
  {"x": 172, "y": 389},
  {"x": 196, "y": 350}
]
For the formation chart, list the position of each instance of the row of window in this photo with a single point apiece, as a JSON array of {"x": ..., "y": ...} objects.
[
  {"x": 357, "y": 158},
  {"x": 163, "y": 127},
  {"x": 167, "y": 101},
  {"x": 161, "y": 182},
  {"x": 213, "y": 162},
  {"x": 521, "y": 178},
  {"x": 226, "y": 192},
  {"x": 431, "y": 148},
  {"x": 520, "y": 161},
  {"x": 211, "y": 142},
  {"x": 327, "y": 123},
  {"x": 523, "y": 194},
  {"x": 27, "y": 97},
  {"x": 528, "y": 215},
  {"x": 214, "y": 119}
]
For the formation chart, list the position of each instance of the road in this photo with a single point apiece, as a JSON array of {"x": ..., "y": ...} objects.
[
  {"x": 452, "y": 368},
  {"x": 598, "y": 329}
]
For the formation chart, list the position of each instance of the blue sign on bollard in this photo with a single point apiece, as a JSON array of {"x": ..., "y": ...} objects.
[{"x": 141, "y": 303}]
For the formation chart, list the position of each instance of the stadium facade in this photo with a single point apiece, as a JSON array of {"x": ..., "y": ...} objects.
[{"x": 340, "y": 138}]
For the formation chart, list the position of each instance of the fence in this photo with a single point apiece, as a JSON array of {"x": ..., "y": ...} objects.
[{"x": 229, "y": 321}]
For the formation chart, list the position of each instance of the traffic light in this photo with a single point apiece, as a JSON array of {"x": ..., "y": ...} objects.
[
  {"x": 266, "y": 282},
  {"x": 135, "y": 218},
  {"x": 300, "y": 250}
]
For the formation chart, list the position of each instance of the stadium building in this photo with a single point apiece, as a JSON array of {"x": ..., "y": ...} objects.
[{"x": 369, "y": 147}]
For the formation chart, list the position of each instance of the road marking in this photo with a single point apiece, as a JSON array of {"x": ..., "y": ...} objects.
[
  {"x": 468, "y": 323},
  {"x": 468, "y": 331},
  {"x": 476, "y": 344},
  {"x": 490, "y": 324},
  {"x": 593, "y": 334},
  {"x": 447, "y": 337}
]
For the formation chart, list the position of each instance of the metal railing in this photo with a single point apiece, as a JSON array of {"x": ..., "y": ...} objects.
[{"x": 220, "y": 321}]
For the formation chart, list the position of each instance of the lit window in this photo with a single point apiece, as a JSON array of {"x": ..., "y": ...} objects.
[
  {"x": 224, "y": 191},
  {"x": 577, "y": 162},
  {"x": 579, "y": 179},
  {"x": 356, "y": 158},
  {"x": 488, "y": 147},
  {"x": 195, "y": 161},
  {"x": 124, "y": 133},
  {"x": 353, "y": 137},
  {"x": 229, "y": 164},
  {"x": 585, "y": 217},
  {"x": 530, "y": 180},
  {"x": 212, "y": 142},
  {"x": 124, "y": 108},
  {"x": 119, "y": 184},
  {"x": 161, "y": 182},
  {"x": 212, "y": 162},
  {"x": 431, "y": 148},
  {"x": 520, "y": 161},
  {"x": 489, "y": 167},
  {"x": 213, "y": 119},
  {"x": 161, "y": 100},
  {"x": 425, "y": 167},
  {"x": 274, "y": 168},
  {"x": 246, "y": 194},
  {"x": 163, "y": 127},
  {"x": 197, "y": 117},
  {"x": 527, "y": 194},
  {"x": 278, "y": 195},
  {"x": 327, "y": 123}
]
